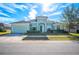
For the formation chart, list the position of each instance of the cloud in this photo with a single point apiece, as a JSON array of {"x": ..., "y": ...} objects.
[
  {"x": 34, "y": 6},
  {"x": 55, "y": 13},
  {"x": 7, "y": 8},
  {"x": 32, "y": 10},
  {"x": 63, "y": 6},
  {"x": 46, "y": 6},
  {"x": 21, "y": 7},
  {"x": 32, "y": 14},
  {"x": 7, "y": 20},
  {"x": 26, "y": 18},
  {"x": 54, "y": 7},
  {"x": 4, "y": 14}
]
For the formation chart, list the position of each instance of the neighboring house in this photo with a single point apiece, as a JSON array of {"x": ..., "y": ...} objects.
[
  {"x": 7, "y": 26},
  {"x": 41, "y": 24},
  {"x": 74, "y": 28},
  {"x": 2, "y": 28},
  {"x": 77, "y": 28}
]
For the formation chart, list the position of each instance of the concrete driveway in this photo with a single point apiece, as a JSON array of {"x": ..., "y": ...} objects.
[
  {"x": 13, "y": 45},
  {"x": 9, "y": 38}
]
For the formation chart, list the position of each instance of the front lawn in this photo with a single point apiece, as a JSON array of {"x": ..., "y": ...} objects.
[
  {"x": 74, "y": 37},
  {"x": 59, "y": 37},
  {"x": 74, "y": 34}
]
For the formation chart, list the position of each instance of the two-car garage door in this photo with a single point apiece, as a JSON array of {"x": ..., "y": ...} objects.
[{"x": 20, "y": 28}]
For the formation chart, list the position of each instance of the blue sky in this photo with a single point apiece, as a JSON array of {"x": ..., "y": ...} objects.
[{"x": 11, "y": 12}]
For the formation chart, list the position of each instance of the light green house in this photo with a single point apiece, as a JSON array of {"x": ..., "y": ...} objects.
[{"x": 41, "y": 24}]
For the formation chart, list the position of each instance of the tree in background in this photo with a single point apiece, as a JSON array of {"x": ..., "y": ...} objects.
[{"x": 71, "y": 16}]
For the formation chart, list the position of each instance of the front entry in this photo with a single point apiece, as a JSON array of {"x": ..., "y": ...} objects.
[{"x": 42, "y": 28}]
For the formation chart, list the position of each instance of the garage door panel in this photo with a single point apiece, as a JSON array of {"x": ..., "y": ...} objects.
[{"x": 19, "y": 29}]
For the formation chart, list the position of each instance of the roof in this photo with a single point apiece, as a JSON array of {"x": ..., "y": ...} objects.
[
  {"x": 42, "y": 16},
  {"x": 24, "y": 21},
  {"x": 21, "y": 22},
  {"x": 32, "y": 20},
  {"x": 1, "y": 24}
]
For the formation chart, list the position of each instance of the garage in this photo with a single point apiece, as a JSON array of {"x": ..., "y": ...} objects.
[{"x": 19, "y": 27}]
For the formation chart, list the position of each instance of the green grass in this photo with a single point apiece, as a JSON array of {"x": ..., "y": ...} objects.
[
  {"x": 62, "y": 37},
  {"x": 74, "y": 34},
  {"x": 59, "y": 37}
]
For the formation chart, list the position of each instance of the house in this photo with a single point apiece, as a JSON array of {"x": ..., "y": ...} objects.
[
  {"x": 76, "y": 28},
  {"x": 2, "y": 28},
  {"x": 40, "y": 24},
  {"x": 7, "y": 26}
]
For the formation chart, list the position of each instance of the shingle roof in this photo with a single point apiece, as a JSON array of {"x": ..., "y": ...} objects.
[
  {"x": 21, "y": 22},
  {"x": 1, "y": 24},
  {"x": 24, "y": 21}
]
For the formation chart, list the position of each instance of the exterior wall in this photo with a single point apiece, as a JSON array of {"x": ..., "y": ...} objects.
[
  {"x": 42, "y": 21},
  {"x": 78, "y": 27},
  {"x": 75, "y": 28},
  {"x": 46, "y": 27},
  {"x": 33, "y": 25},
  {"x": 20, "y": 28},
  {"x": 43, "y": 27},
  {"x": 43, "y": 24},
  {"x": 72, "y": 30},
  {"x": 55, "y": 26},
  {"x": 43, "y": 18},
  {"x": 49, "y": 26}
]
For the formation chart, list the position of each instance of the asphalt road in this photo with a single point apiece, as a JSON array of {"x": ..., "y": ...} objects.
[{"x": 40, "y": 48}]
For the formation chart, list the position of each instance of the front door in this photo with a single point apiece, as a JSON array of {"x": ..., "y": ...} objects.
[{"x": 42, "y": 28}]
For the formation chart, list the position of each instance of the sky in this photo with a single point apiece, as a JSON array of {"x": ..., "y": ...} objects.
[{"x": 12, "y": 12}]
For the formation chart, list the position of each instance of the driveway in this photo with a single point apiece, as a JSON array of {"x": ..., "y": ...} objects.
[
  {"x": 36, "y": 37},
  {"x": 12, "y": 38}
]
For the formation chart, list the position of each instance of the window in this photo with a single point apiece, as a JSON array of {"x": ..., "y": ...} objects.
[{"x": 34, "y": 28}]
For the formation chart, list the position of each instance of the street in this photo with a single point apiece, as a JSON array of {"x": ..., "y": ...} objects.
[
  {"x": 40, "y": 48},
  {"x": 14, "y": 45}
]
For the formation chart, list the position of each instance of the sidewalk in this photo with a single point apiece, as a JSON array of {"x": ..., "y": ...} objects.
[
  {"x": 48, "y": 36},
  {"x": 20, "y": 38}
]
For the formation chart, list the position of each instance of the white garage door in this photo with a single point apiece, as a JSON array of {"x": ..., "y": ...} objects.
[{"x": 19, "y": 28}]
